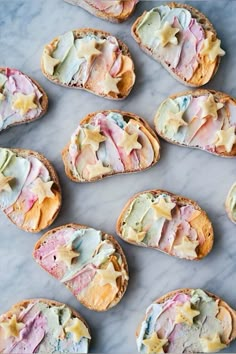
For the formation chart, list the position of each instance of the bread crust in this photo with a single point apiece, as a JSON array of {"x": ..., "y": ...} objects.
[
  {"x": 203, "y": 250},
  {"x": 201, "y": 18},
  {"x": 98, "y": 13},
  {"x": 43, "y": 101},
  {"x": 86, "y": 120},
  {"x": 196, "y": 93},
  {"x": 26, "y": 153},
  {"x": 80, "y": 33},
  {"x": 104, "y": 237}
]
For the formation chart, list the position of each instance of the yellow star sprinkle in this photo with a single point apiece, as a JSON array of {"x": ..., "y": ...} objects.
[
  {"x": 226, "y": 138},
  {"x": 49, "y": 63},
  {"x": 212, "y": 48},
  {"x": 87, "y": 49},
  {"x": 4, "y": 183},
  {"x": 185, "y": 314},
  {"x": 98, "y": 170},
  {"x": 2, "y": 97},
  {"x": 176, "y": 120},
  {"x": 210, "y": 107},
  {"x": 42, "y": 189},
  {"x": 93, "y": 137},
  {"x": 162, "y": 208},
  {"x": 12, "y": 327},
  {"x": 135, "y": 236},
  {"x": 212, "y": 345},
  {"x": 109, "y": 275},
  {"x": 24, "y": 103},
  {"x": 129, "y": 142},
  {"x": 110, "y": 84},
  {"x": 78, "y": 330},
  {"x": 66, "y": 254},
  {"x": 155, "y": 344},
  {"x": 167, "y": 34},
  {"x": 187, "y": 248}
]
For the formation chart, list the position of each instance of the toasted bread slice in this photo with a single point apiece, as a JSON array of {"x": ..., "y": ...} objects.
[
  {"x": 129, "y": 143},
  {"x": 30, "y": 193},
  {"x": 203, "y": 119},
  {"x": 114, "y": 11},
  {"x": 187, "y": 320},
  {"x": 22, "y": 99},
  {"x": 168, "y": 223},
  {"x": 230, "y": 203},
  {"x": 90, "y": 263},
  {"x": 182, "y": 39},
  {"x": 92, "y": 60},
  {"x": 44, "y": 325}
]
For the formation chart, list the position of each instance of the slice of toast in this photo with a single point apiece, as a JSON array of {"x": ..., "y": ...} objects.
[
  {"x": 22, "y": 99},
  {"x": 230, "y": 203},
  {"x": 30, "y": 193},
  {"x": 114, "y": 11},
  {"x": 84, "y": 158},
  {"x": 182, "y": 40},
  {"x": 168, "y": 223},
  {"x": 197, "y": 319},
  {"x": 47, "y": 325},
  {"x": 203, "y": 119},
  {"x": 90, "y": 263},
  {"x": 92, "y": 60}
]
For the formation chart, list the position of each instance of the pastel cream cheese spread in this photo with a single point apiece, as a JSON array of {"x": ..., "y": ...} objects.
[
  {"x": 230, "y": 203},
  {"x": 206, "y": 120},
  {"x": 42, "y": 326},
  {"x": 110, "y": 143},
  {"x": 173, "y": 36},
  {"x": 88, "y": 262},
  {"x": 185, "y": 322},
  {"x": 167, "y": 223},
  {"x": 90, "y": 61},
  {"x": 28, "y": 195},
  {"x": 115, "y": 8},
  {"x": 20, "y": 98}
]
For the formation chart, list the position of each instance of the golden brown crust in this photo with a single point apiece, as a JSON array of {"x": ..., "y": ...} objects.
[
  {"x": 104, "y": 237},
  {"x": 43, "y": 100},
  {"x": 207, "y": 26},
  {"x": 220, "y": 96},
  {"x": 80, "y": 33},
  {"x": 53, "y": 175},
  {"x": 65, "y": 151},
  {"x": 203, "y": 250}
]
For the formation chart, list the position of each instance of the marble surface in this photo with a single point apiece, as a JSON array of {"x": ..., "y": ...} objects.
[{"x": 26, "y": 26}]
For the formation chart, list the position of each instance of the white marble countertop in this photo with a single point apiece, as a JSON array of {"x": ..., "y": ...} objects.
[{"x": 26, "y": 26}]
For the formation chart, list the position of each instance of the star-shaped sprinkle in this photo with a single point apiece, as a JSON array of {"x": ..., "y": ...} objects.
[
  {"x": 66, "y": 254},
  {"x": 167, "y": 34},
  {"x": 49, "y": 63},
  {"x": 212, "y": 345},
  {"x": 135, "y": 236},
  {"x": 87, "y": 49},
  {"x": 226, "y": 138},
  {"x": 185, "y": 313},
  {"x": 2, "y": 97},
  {"x": 176, "y": 121},
  {"x": 97, "y": 170},
  {"x": 78, "y": 330},
  {"x": 109, "y": 275},
  {"x": 155, "y": 344},
  {"x": 110, "y": 84},
  {"x": 210, "y": 107},
  {"x": 93, "y": 137},
  {"x": 5, "y": 183},
  {"x": 129, "y": 142},
  {"x": 42, "y": 189},
  {"x": 211, "y": 47},
  {"x": 162, "y": 208},
  {"x": 11, "y": 327},
  {"x": 24, "y": 103},
  {"x": 187, "y": 248}
]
